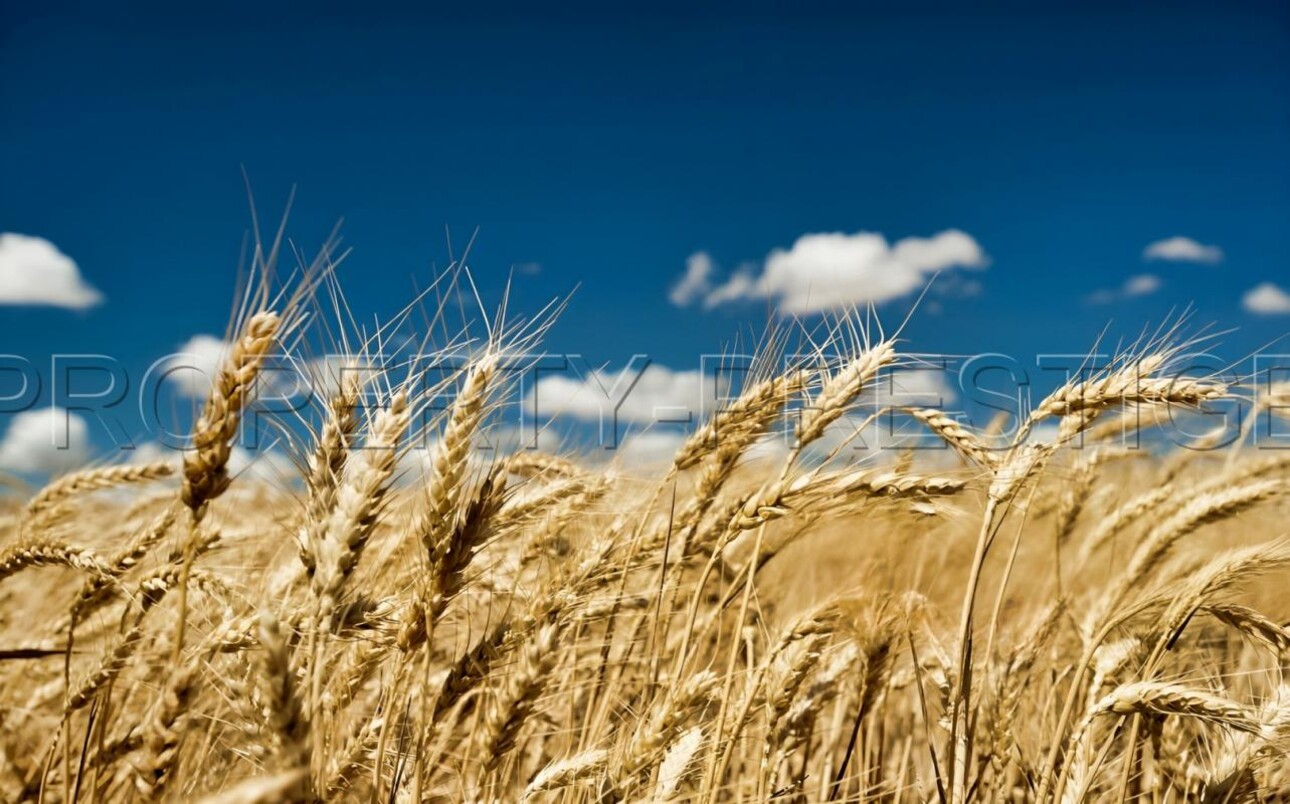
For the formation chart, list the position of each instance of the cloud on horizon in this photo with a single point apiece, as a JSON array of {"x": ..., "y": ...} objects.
[
  {"x": 831, "y": 271},
  {"x": 1133, "y": 287},
  {"x": 659, "y": 394},
  {"x": 639, "y": 398},
  {"x": 1182, "y": 249},
  {"x": 34, "y": 272},
  {"x": 192, "y": 370},
  {"x": 45, "y": 441},
  {"x": 1266, "y": 299}
]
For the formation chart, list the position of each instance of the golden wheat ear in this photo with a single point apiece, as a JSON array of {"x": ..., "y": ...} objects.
[
  {"x": 89, "y": 480},
  {"x": 206, "y": 465}
]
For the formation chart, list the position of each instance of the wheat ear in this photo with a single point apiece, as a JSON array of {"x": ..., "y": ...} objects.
[
  {"x": 327, "y": 466},
  {"x": 286, "y": 719},
  {"x": 206, "y": 466},
  {"x": 652, "y": 738},
  {"x": 88, "y": 480},
  {"x": 451, "y": 453},
  {"x": 359, "y": 499},
  {"x": 676, "y": 764},
  {"x": 529, "y": 464},
  {"x": 747, "y": 417},
  {"x": 518, "y": 699},
  {"x": 841, "y": 389},
  {"x": 1160, "y": 540},
  {"x": 1160, "y": 698},
  {"x": 1131, "y": 384},
  {"x": 966, "y": 443},
  {"x": 567, "y": 772},
  {"x": 50, "y": 553},
  {"x": 164, "y": 733}
]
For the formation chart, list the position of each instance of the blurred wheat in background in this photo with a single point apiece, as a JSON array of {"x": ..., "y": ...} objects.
[{"x": 1044, "y": 615}]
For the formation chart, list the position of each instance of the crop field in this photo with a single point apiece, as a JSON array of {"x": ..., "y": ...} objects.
[{"x": 1052, "y": 608}]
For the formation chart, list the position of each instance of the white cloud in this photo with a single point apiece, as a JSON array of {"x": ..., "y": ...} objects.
[
  {"x": 152, "y": 452},
  {"x": 686, "y": 398},
  {"x": 34, "y": 271},
  {"x": 835, "y": 270},
  {"x": 658, "y": 393},
  {"x": 661, "y": 394},
  {"x": 1142, "y": 285},
  {"x": 742, "y": 284},
  {"x": 264, "y": 465},
  {"x": 507, "y": 439},
  {"x": 1266, "y": 299},
  {"x": 930, "y": 385},
  {"x": 44, "y": 441},
  {"x": 1182, "y": 249},
  {"x": 192, "y": 370},
  {"x": 696, "y": 283},
  {"x": 194, "y": 365},
  {"x": 1134, "y": 286},
  {"x": 650, "y": 449}
]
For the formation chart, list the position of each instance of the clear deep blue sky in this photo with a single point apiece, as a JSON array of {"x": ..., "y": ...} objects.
[{"x": 607, "y": 145}]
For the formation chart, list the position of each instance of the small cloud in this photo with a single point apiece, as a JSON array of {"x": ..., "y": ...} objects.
[
  {"x": 1182, "y": 249},
  {"x": 152, "y": 452},
  {"x": 696, "y": 283},
  {"x": 192, "y": 370},
  {"x": 957, "y": 286},
  {"x": 1266, "y": 299},
  {"x": 741, "y": 285},
  {"x": 1142, "y": 285},
  {"x": 528, "y": 268},
  {"x": 45, "y": 441},
  {"x": 1133, "y": 287},
  {"x": 926, "y": 386},
  {"x": 833, "y": 271},
  {"x": 34, "y": 272}
]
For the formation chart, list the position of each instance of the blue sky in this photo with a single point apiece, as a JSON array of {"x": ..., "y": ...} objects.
[{"x": 608, "y": 146}]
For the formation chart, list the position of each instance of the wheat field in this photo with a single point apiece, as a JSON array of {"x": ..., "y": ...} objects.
[{"x": 1034, "y": 613}]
